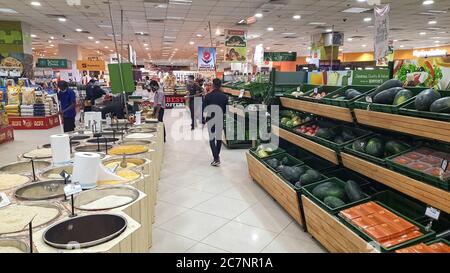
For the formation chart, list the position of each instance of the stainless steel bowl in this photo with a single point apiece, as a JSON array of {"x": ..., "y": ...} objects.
[
  {"x": 85, "y": 231},
  {"x": 24, "y": 167},
  {"x": 93, "y": 148},
  {"x": 16, "y": 243},
  {"x": 44, "y": 190}
]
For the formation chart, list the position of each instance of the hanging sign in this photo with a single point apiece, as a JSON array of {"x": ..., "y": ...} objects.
[
  {"x": 235, "y": 46},
  {"x": 280, "y": 56},
  {"x": 381, "y": 43},
  {"x": 52, "y": 63},
  {"x": 206, "y": 58},
  {"x": 91, "y": 65}
]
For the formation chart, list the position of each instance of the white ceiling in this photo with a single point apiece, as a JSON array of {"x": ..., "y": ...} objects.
[{"x": 178, "y": 24}]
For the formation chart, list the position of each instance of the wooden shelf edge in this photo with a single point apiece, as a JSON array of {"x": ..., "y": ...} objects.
[
  {"x": 325, "y": 110},
  {"x": 428, "y": 194},
  {"x": 317, "y": 149},
  {"x": 408, "y": 125}
]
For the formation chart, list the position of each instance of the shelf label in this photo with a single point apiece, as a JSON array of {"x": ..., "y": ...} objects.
[
  {"x": 72, "y": 189},
  {"x": 241, "y": 93},
  {"x": 316, "y": 90},
  {"x": 444, "y": 166},
  {"x": 432, "y": 213},
  {"x": 298, "y": 89},
  {"x": 369, "y": 99}
]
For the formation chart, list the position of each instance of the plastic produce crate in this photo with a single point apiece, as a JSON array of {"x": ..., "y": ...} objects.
[
  {"x": 277, "y": 151},
  {"x": 380, "y": 161},
  {"x": 330, "y": 99},
  {"x": 292, "y": 185},
  {"x": 292, "y": 160},
  {"x": 360, "y": 133},
  {"x": 427, "y": 235},
  {"x": 416, "y": 174},
  {"x": 361, "y": 103},
  {"x": 346, "y": 174},
  {"x": 409, "y": 109},
  {"x": 401, "y": 203},
  {"x": 301, "y": 88},
  {"x": 325, "y": 88},
  {"x": 308, "y": 191}
]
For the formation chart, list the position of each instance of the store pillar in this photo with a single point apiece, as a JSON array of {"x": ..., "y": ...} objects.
[{"x": 72, "y": 53}]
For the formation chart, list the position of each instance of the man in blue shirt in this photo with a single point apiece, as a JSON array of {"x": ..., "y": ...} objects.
[{"x": 67, "y": 101}]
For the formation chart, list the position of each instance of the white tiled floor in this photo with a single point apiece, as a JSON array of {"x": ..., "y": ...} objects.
[
  {"x": 219, "y": 209},
  {"x": 202, "y": 208}
]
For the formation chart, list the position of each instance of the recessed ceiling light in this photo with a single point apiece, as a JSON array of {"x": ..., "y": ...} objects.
[
  {"x": 355, "y": 10},
  {"x": 4, "y": 10},
  {"x": 428, "y": 2},
  {"x": 328, "y": 30},
  {"x": 296, "y": 17},
  {"x": 317, "y": 23},
  {"x": 32, "y": 48},
  {"x": 258, "y": 15},
  {"x": 191, "y": 42},
  {"x": 62, "y": 19},
  {"x": 106, "y": 47},
  {"x": 349, "y": 39},
  {"x": 422, "y": 33},
  {"x": 78, "y": 30},
  {"x": 33, "y": 36},
  {"x": 145, "y": 44},
  {"x": 433, "y": 22},
  {"x": 364, "y": 45},
  {"x": 176, "y": 49},
  {"x": 436, "y": 42},
  {"x": 52, "y": 45},
  {"x": 111, "y": 50},
  {"x": 367, "y": 19},
  {"x": 97, "y": 42},
  {"x": 199, "y": 35},
  {"x": 146, "y": 48},
  {"x": 217, "y": 31},
  {"x": 52, "y": 37},
  {"x": 402, "y": 46},
  {"x": 395, "y": 40},
  {"x": 270, "y": 29},
  {"x": 90, "y": 38},
  {"x": 35, "y": 3},
  {"x": 362, "y": 1},
  {"x": 268, "y": 48}
]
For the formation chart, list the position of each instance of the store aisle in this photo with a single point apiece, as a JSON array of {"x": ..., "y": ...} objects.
[{"x": 206, "y": 209}]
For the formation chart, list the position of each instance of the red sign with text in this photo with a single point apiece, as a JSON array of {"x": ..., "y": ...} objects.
[
  {"x": 6, "y": 134},
  {"x": 34, "y": 123},
  {"x": 175, "y": 101}
]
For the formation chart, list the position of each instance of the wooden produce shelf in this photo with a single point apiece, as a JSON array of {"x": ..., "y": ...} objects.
[
  {"x": 307, "y": 144},
  {"x": 439, "y": 130},
  {"x": 286, "y": 196},
  {"x": 428, "y": 194},
  {"x": 331, "y": 233},
  {"x": 324, "y": 110},
  {"x": 236, "y": 93}
]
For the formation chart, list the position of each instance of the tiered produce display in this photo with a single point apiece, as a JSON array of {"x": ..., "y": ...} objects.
[{"x": 384, "y": 173}]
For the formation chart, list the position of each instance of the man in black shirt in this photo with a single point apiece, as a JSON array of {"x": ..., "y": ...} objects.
[
  {"x": 195, "y": 91},
  {"x": 215, "y": 124}
]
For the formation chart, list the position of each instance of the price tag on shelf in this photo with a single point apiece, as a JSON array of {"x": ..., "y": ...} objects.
[
  {"x": 241, "y": 93},
  {"x": 432, "y": 213},
  {"x": 298, "y": 89},
  {"x": 369, "y": 99},
  {"x": 316, "y": 90},
  {"x": 72, "y": 189}
]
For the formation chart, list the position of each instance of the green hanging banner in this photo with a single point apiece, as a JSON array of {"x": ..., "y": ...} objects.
[
  {"x": 52, "y": 63},
  {"x": 280, "y": 56},
  {"x": 127, "y": 76},
  {"x": 370, "y": 77}
]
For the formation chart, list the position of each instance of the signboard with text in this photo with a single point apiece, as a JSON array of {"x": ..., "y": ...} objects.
[
  {"x": 280, "y": 56},
  {"x": 91, "y": 65},
  {"x": 235, "y": 45},
  {"x": 370, "y": 77},
  {"x": 34, "y": 123},
  {"x": 52, "y": 63},
  {"x": 206, "y": 58},
  {"x": 381, "y": 43},
  {"x": 175, "y": 101}
]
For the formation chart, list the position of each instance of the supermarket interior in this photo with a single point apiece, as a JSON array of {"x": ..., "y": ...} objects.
[{"x": 224, "y": 126}]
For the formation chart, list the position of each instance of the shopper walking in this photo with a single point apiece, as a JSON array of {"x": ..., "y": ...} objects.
[
  {"x": 194, "y": 91},
  {"x": 67, "y": 100},
  {"x": 159, "y": 103},
  {"x": 215, "y": 125}
]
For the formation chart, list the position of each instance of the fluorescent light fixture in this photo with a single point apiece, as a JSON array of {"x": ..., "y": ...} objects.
[
  {"x": 33, "y": 36},
  {"x": 169, "y": 37},
  {"x": 349, "y": 39},
  {"x": 422, "y": 33},
  {"x": 106, "y": 47},
  {"x": 52, "y": 37},
  {"x": 5, "y": 10},
  {"x": 369, "y": 68},
  {"x": 402, "y": 46},
  {"x": 347, "y": 68},
  {"x": 355, "y": 10},
  {"x": 176, "y": 49},
  {"x": 328, "y": 30},
  {"x": 395, "y": 40},
  {"x": 62, "y": 19},
  {"x": 297, "y": 17},
  {"x": 35, "y": 3},
  {"x": 367, "y": 19},
  {"x": 111, "y": 50},
  {"x": 436, "y": 42},
  {"x": 161, "y": 6},
  {"x": 268, "y": 48},
  {"x": 180, "y": 2},
  {"x": 258, "y": 15},
  {"x": 361, "y": 1},
  {"x": 309, "y": 48},
  {"x": 270, "y": 29},
  {"x": 317, "y": 23},
  {"x": 78, "y": 30},
  {"x": 432, "y": 22},
  {"x": 427, "y": 2},
  {"x": 104, "y": 26},
  {"x": 217, "y": 31},
  {"x": 146, "y": 48},
  {"x": 429, "y": 53},
  {"x": 52, "y": 45},
  {"x": 145, "y": 44},
  {"x": 199, "y": 35},
  {"x": 90, "y": 38}
]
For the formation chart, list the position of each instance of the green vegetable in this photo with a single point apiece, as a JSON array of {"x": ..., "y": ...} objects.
[
  {"x": 425, "y": 99},
  {"x": 285, "y": 161},
  {"x": 387, "y": 85},
  {"x": 292, "y": 174},
  {"x": 274, "y": 163},
  {"x": 375, "y": 147},
  {"x": 329, "y": 189},
  {"x": 310, "y": 177},
  {"x": 353, "y": 94},
  {"x": 353, "y": 191},
  {"x": 393, "y": 147},
  {"x": 441, "y": 105},
  {"x": 333, "y": 202},
  {"x": 387, "y": 96},
  {"x": 326, "y": 133},
  {"x": 402, "y": 96}
]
